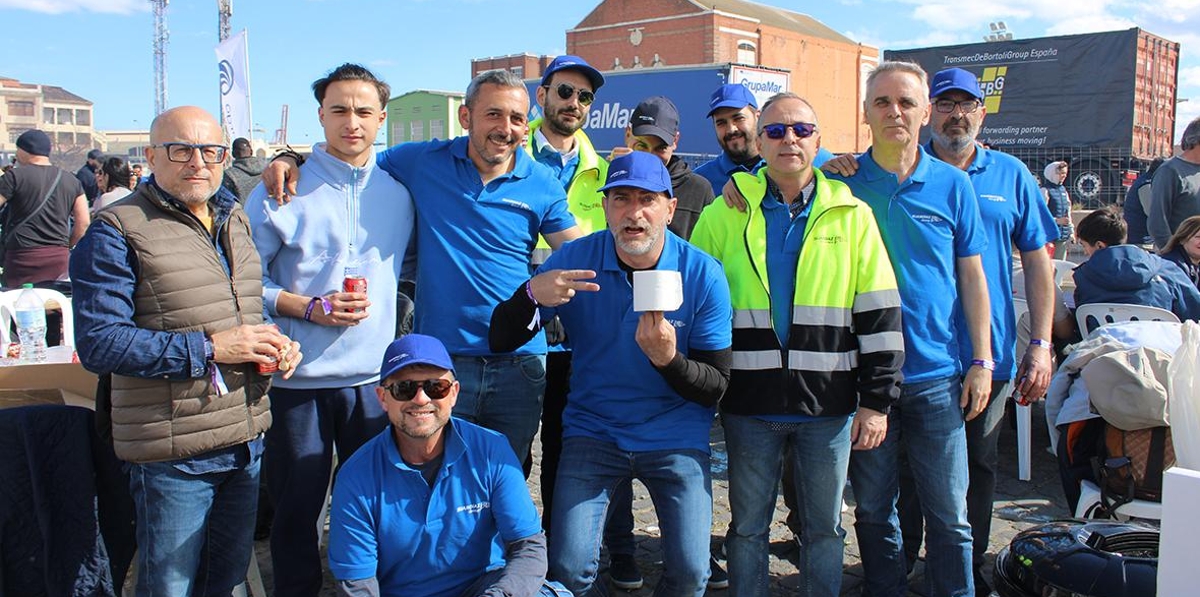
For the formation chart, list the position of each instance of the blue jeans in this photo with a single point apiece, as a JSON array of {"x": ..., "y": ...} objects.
[
  {"x": 502, "y": 393},
  {"x": 680, "y": 486},
  {"x": 821, "y": 451},
  {"x": 928, "y": 424},
  {"x": 298, "y": 461},
  {"x": 194, "y": 531}
]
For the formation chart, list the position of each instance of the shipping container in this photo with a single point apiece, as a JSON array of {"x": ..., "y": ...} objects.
[{"x": 1104, "y": 102}]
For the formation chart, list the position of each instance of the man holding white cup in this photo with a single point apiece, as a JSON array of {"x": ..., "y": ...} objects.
[{"x": 644, "y": 385}]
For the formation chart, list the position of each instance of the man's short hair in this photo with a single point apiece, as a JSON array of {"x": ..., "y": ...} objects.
[
  {"x": 95, "y": 154},
  {"x": 241, "y": 148},
  {"x": 498, "y": 77},
  {"x": 1105, "y": 225},
  {"x": 351, "y": 72},
  {"x": 779, "y": 97},
  {"x": 902, "y": 66},
  {"x": 1191, "y": 135}
]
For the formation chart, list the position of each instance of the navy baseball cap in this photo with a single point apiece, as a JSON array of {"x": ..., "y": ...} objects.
[
  {"x": 567, "y": 62},
  {"x": 656, "y": 116},
  {"x": 34, "y": 142},
  {"x": 731, "y": 95},
  {"x": 953, "y": 79},
  {"x": 414, "y": 349},
  {"x": 639, "y": 170}
]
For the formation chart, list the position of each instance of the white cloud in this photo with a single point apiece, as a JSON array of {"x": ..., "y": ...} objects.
[
  {"x": 1185, "y": 113},
  {"x": 62, "y": 6},
  {"x": 1189, "y": 76}
]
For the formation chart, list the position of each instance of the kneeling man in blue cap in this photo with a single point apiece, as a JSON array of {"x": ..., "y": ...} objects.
[{"x": 434, "y": 505}]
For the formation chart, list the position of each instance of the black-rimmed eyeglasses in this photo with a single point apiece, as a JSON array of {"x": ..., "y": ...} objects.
[
  {"x": 566, "y": 90},
  {"x": 946, "y": 106},
  {"x": 181, "y": 153}
]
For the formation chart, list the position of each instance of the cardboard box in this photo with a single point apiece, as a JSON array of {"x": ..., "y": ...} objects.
[{"x": 57, "y": 383}]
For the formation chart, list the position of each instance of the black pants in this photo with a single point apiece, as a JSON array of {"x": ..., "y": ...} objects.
[{"x": 558, "y": 385}]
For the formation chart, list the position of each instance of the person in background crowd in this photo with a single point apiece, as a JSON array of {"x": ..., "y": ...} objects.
[
  {"x": 348, "y": 215},
  {"x": 1059, "y": 201},
  {"x": 481, "y": 202},
  {"x": 433, "y": 505},
  {"x": 87, "y": 175},
  {"x": 47, "y": 214},
  {"x": 1119, "y": 273},
  {"x": 167, "y": 290},
  {"x": 1137, "y": 205},
  {"x": 246, "y": 170},
  {"x": 1183, "y": 248},
  {"x": 1175, "y": 191},
  {"x": 138, "y": 178},
  {"x": 113, "y": 178}
]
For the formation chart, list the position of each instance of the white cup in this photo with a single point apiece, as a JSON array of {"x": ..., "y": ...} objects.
[{"x": 657, "y": 290}]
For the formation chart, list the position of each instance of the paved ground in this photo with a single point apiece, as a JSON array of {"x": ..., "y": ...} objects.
[{"x": 1018, "y": 506}]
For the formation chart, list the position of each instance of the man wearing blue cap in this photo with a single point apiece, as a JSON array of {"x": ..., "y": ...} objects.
[
  {"x": 734, "y": 113},
  {"x": 433, "y": 505},
  {"x": 1013, "y": 215},
  {"x": 644, "y": 385},
  {"x": 557, "y": 141}
]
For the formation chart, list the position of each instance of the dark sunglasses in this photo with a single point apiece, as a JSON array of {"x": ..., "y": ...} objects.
[
  {"x": 436, "y": 389},
  {"x": 802, "y": 130},
  {"x": 566, "y": 90}
]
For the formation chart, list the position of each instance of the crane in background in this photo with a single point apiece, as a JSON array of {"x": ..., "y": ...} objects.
[
  {"x": 281, "y": 132},
  {"x": 160, "y": 55}
]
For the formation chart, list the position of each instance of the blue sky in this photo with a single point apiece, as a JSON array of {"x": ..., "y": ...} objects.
[{"x": 101, "y": 49}]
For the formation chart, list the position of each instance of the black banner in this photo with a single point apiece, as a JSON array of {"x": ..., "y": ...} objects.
[{"x": 1067, "y": 91}]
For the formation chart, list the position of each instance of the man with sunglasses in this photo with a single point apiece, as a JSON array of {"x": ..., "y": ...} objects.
[
  {"x": 349, "y": 216},
  {"x": 817, "y": 347},
  {"x": 168, "y": 308},
  {"x": 433, "y": 505},
  {"x": 557, "y": 141},
  {"x": 643, "y": 386}
]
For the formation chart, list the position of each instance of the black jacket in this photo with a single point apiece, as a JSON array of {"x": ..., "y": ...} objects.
[{"x": 693, "y": 193}]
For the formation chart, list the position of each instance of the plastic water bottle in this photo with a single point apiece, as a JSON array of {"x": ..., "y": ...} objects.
[{"x": 31, "y": 325}]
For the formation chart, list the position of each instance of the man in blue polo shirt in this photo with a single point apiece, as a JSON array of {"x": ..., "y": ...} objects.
[
  {"x": 433, "y": 505},
  {"x": 481, "y": 203},
  {"x": 643, "y": 386},
  {"x": 929, "y": 218}
]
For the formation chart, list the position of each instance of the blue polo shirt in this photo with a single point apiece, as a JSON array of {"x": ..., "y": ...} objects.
[
  {"x": 720, "y": 169},
  {"x": 415, "y": 539},
  {"x": 927, "y": 223},
  {"x": 616, "y": 394},
  {"x": 1013, "y": 214},
  {"x": 474, "y": 242}
]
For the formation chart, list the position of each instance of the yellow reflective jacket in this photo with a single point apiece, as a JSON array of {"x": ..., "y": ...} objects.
[
  {"x": 845, "y": 345},
  {"x": 584, "y": 199}
]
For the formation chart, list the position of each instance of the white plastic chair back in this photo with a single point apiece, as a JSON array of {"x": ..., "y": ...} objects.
[
  {"x": 1094, "y": 315},
  {"x": 8, "y": 301}
]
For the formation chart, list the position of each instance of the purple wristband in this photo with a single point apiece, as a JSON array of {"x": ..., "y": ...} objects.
[{"x": 529, "y": 293}]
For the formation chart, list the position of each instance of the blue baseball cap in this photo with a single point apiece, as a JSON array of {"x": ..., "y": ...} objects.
[
  {"x": 731, "y": 95},
  {"x": 640, "y": 170},
  {"x": 414, "y": 349},
  {"x": 953, "y": 79},
  {"x": 567, "y": 62}
]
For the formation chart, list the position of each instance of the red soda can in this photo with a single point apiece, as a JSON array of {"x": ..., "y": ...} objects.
[
  {"x": 354, "y": 283},
  {"x": 273, "y": 366}
]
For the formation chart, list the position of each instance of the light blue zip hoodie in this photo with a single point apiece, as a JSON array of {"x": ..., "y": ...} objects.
[{"x": 341, "y": 217}]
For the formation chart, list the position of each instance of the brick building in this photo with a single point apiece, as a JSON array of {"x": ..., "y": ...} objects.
[{"x": 827, "y": 68}]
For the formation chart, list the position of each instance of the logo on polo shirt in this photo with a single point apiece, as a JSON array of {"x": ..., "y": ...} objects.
[
  {"x": 474, "y": 508},
  {"x": 516, "y": 204},
  {"x": 831, "y": 239},
  {"x": 678, "y": 323},
  {"x": 994, "y": 198},
  {"x": 928, "y": 218}
]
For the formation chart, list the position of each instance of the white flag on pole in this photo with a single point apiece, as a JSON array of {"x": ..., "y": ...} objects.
[{"x": 235, "y": 86}]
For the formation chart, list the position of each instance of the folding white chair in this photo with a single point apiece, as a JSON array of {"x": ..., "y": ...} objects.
[
  {"x": 1094, "y": 315},
  {"x": 1089, "y": 500}
]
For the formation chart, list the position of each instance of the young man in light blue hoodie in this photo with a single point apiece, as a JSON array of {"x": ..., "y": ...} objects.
[{"x": 348, "y": 218}]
